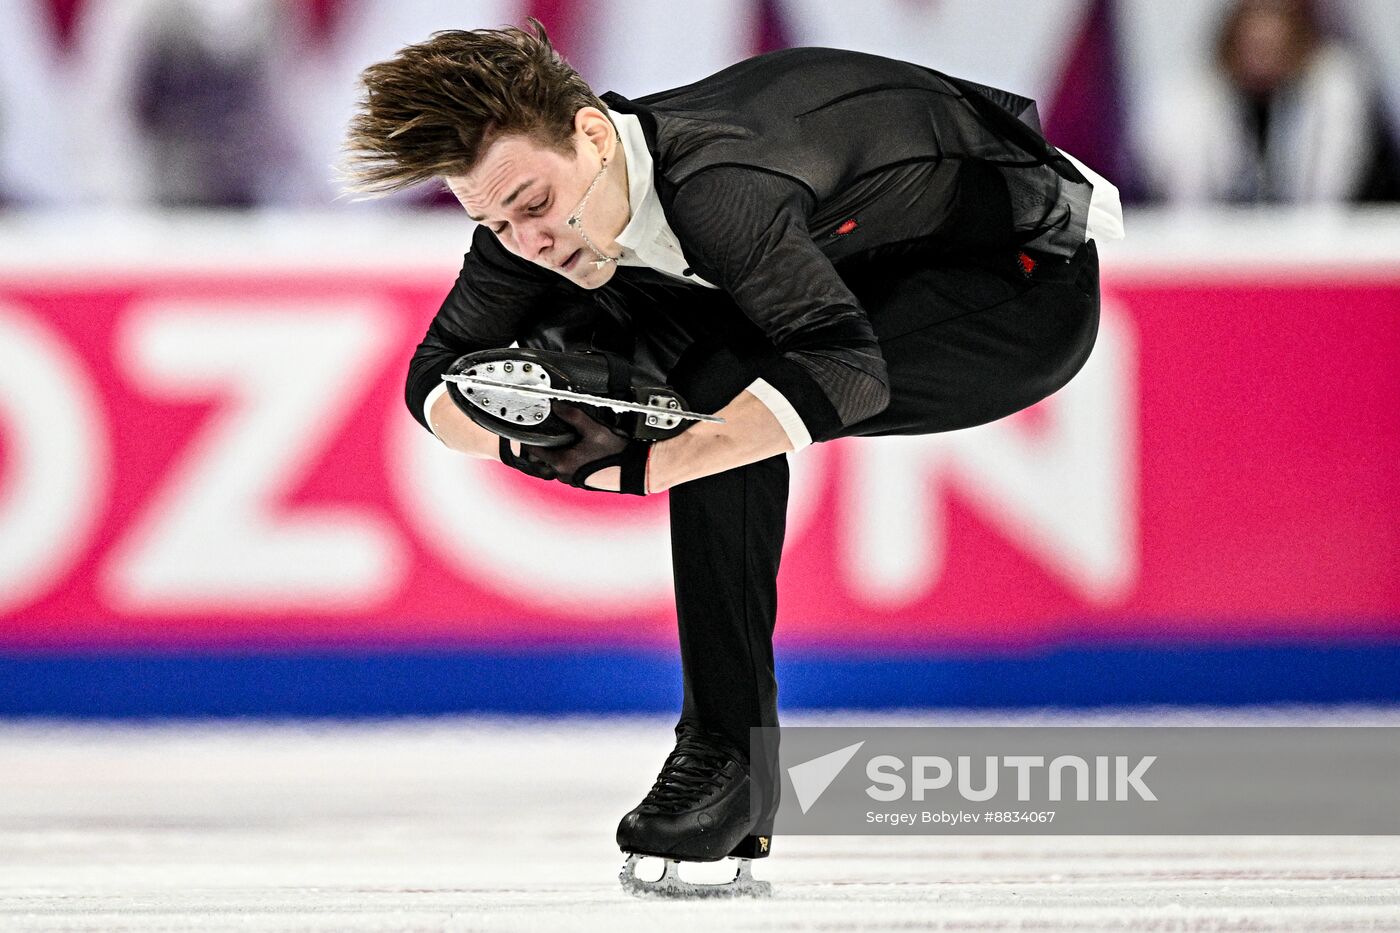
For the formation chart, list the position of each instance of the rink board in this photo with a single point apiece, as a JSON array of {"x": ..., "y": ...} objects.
[
  {"x": 137, "y": 685},
  {"x": 1209, "y": 512}
]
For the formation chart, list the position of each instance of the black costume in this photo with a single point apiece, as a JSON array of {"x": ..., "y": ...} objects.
[{"x": 896, "y": 252}]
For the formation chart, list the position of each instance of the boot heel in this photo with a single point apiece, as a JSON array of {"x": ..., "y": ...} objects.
[{"x": 753, "y": 847}]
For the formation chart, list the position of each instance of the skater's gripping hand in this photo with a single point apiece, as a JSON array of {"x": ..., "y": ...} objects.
[
  {"x": 601, "y": 459},
  {"x": 513, "y": 455}
]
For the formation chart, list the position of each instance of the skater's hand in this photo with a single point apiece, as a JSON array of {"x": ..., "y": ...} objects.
[
  {"x": 512, "y": 456},
  {"x": 599, "y": 459}
]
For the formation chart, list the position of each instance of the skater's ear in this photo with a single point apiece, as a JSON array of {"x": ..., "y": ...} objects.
[{"x": 593, "y": 128}]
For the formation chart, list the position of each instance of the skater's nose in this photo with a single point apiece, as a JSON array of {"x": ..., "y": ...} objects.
[{"x": 533, "y": 239}]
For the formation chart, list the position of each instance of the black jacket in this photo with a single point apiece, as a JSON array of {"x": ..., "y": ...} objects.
[{"x": 771, "y": 173}]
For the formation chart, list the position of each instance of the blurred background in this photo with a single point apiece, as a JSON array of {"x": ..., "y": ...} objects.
[{"x": 213, "y": 502}]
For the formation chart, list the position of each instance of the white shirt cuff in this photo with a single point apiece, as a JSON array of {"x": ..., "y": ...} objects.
[
  {"x": 1105, "y": 206},
  {"x": 433, "y": 396},
  {"x": 782, "y": 409}
]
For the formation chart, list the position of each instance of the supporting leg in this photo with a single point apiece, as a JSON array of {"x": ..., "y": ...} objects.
[{"x": 726, "y": 541}]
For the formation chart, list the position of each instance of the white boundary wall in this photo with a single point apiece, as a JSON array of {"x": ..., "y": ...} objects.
[{"x": 80, "y": 245}]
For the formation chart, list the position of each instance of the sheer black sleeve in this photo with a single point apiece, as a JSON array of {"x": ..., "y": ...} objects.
[
  {"x": 745, "y": 231},
  {"x": 495, "y": 299}
]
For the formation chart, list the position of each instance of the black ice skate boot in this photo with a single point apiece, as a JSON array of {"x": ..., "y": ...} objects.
[{"x": 697, "y": 811}]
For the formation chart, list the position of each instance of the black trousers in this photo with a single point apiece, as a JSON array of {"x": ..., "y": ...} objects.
[{"x": 966, "y": 340}]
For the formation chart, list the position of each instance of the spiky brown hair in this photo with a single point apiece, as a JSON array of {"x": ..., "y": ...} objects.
[{"x": 433, "y": 108}]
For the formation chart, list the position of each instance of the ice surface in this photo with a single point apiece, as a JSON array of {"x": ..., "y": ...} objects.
[{"x": 460, "y": 824}]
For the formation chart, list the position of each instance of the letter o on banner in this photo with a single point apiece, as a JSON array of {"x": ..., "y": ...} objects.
[
  {"x": 470, "y": 517},
  {"x": 56, "y": 459}
]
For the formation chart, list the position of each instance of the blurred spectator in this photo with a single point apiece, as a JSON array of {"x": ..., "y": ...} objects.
[
  {"x": 1281, "y": 115},
  {"x": 180, "y": 102},
  {"x": 244, "y": 102},
  {"x": 201, "y": 107}
]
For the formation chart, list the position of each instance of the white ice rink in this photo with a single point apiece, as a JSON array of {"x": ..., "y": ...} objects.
[{"x": 480, "y": 824}]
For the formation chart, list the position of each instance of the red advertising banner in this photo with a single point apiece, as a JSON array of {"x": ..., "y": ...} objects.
[{"x": 208, "y": 458}]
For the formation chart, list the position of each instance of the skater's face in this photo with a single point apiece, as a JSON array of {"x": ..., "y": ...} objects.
[{"x": 526, "y": 192}]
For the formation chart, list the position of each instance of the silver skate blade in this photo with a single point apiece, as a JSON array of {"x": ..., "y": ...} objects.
[
  {"x": 566, "y": 395},
  {"x": 672, "y": 885}
]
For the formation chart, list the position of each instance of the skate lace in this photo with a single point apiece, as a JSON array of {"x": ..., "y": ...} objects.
[{"x": 691, "y": 771}]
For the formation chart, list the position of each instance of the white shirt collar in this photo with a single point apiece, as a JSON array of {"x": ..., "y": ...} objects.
[
  {"x": 648, "y": 239},
  {"x": 646, "y": 216}
]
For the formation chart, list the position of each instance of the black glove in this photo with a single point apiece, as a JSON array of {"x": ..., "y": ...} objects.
[
  {"x": 524, "y": 464},
  {"x": 597, "y": 448}
]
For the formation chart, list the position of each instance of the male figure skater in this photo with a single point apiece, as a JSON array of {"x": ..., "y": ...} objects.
[{"x": 810, "y": 244}]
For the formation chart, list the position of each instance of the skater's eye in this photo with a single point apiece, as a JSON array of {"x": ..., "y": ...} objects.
[{"x": 536, "y": 209}]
